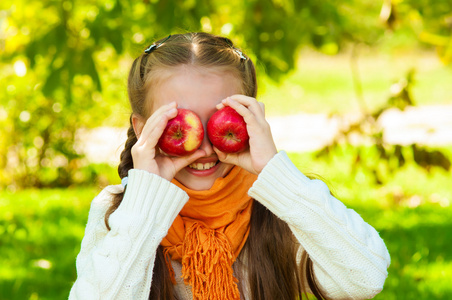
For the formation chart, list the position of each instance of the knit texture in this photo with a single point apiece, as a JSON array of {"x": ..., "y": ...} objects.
[{"x": 350, "y": 259}]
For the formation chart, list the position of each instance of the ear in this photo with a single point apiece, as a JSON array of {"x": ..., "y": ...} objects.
[{"x": 138, "y": 124}]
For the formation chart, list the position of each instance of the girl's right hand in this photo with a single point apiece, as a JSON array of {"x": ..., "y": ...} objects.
[{"x": 145, "y": 153}]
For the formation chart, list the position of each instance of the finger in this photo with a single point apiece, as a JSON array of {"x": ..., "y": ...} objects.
[
  {"x": 221, "y": 155},
  {"x": 219, "y": 106},
  {"x": 243, "y": 110},
  {"x": 262, "y": 105},
  {"x": 251, "y": 103},
  {"x": 225, "y": 157},
  {"x": 152, "y": 139},
  {"x": 156, "y": 115},
  {"x": 183, "y": 161},
  {"x": 246, "y": 101},
  {"x": 155, "y": 125}
]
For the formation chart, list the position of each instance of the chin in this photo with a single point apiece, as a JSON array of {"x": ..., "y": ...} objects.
[
  {"x": 197, "y": 186},
  {"x": 200, "y": 182}
]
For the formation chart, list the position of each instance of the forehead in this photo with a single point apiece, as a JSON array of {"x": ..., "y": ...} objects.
[{"x": 192, "y": 87}]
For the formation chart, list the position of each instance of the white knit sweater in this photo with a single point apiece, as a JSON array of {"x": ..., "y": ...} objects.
[{"x": 350, "y": 259}]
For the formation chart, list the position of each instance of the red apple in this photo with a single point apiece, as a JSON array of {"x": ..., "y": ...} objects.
[
  {"x": 183, "y": 134},
  {"x": 226, "y": 130}
]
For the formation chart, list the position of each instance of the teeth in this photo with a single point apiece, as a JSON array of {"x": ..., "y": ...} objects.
[{"x": 200, "y": 166}]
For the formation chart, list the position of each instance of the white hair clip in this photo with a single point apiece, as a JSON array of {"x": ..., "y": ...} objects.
[
  {"x": 242, "y": 57},
  {"x": 155, "y": 46}
]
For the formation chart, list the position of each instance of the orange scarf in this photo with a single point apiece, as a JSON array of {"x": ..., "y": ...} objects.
[{"x": 209, "y": 233}]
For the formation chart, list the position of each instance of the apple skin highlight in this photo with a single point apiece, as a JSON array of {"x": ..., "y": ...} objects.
[
  {"x": 226, "y": 130},
  {"x": 183, "y": 134}
]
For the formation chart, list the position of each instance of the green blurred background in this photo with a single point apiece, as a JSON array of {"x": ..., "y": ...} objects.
[{"x": 63, "y": 71}]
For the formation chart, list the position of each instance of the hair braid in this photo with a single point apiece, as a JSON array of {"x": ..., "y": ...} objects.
[{"x": 126, "y": 163}]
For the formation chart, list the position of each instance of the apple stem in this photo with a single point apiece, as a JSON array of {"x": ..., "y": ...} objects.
[
  {"x": 178, "y": 134},
  {"x": 231, "y": 136}
]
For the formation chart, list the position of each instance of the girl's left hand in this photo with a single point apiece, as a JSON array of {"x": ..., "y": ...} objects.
[{"x": 262, "y": 147}]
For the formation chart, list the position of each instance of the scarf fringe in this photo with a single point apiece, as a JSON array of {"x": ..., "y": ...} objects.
[
  {"x": 207, "y": 264},
  {"x": 167, "y": 256}
]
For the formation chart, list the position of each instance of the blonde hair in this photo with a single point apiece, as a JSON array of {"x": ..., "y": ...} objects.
[{"x": 190, "y": 49}]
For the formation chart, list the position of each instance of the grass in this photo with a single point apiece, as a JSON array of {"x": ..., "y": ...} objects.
[
  {"x": 324, "y": 84},
  {"x": 413, "y": 214},
  {"x": 41, "y": 233},
  {"x": 42, "y": 229}
]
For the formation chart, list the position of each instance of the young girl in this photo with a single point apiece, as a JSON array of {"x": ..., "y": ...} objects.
[{"x": 212, "y": 225}]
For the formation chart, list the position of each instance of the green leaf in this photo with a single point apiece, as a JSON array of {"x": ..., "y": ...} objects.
[
  {"x": 53, "y": 81},
  {"x": 89, "y": 67}
]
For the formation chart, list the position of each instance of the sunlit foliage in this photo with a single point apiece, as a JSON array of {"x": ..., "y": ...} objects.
[{"x": 63, "y": 63}]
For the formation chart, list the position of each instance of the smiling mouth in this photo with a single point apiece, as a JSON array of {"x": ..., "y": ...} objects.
[{"x": 203, "y": 166}]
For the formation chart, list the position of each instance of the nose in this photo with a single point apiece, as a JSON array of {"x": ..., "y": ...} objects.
[{"x": 206, "y": 145}]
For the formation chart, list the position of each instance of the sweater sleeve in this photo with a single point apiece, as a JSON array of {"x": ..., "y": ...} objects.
[
  {"x": 350, "y": 259},
  {"x": 118, "y": 264}
]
